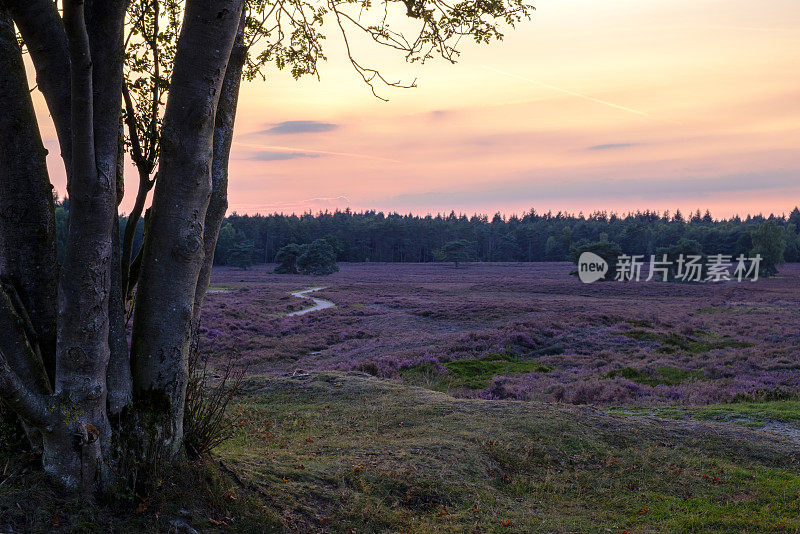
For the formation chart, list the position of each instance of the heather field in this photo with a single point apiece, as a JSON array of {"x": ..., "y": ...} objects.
[
  {"x": 503, "y": 398},
  {"x": 495, "y": 398},
  {"x": 518, "y": 331}
]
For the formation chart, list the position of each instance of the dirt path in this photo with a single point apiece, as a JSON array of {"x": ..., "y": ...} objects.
[{"x": 319, "y": 304}]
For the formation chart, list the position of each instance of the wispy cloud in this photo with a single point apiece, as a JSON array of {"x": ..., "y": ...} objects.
[
  {"x": 298, "y": 127},
  {"x": 611, "y": 146},
  {"x": 277, "y": 155},
  {"x": 310, "y": 151},
  {"x": 532, "y": 189}
]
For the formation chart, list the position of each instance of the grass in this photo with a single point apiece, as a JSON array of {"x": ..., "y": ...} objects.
[
  {"x": 470, "y": 373},
  {"x": 335, "y": 452},
  {"x": 672, "y": 341},
  {"x": 219, "y": 288},
  {"x": 749, "y": 414},
  {"x": 664, "y": 375},
  {"x": 478, "y": 373},
  {"x": 200, "y": 495}
]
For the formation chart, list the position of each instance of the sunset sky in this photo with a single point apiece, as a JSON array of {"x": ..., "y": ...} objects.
[{"x": 620, "y": 105}]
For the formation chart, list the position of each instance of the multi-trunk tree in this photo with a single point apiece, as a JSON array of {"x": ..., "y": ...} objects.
[{"x": 163, "y": 75}]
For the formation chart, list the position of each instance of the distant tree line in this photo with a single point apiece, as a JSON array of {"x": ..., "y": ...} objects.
[{"x": 373, "y": 236}]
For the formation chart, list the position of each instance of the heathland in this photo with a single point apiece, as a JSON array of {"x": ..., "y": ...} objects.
[
  {"x": 512, "y": 397},
  {"x": 490, "y": 398}
]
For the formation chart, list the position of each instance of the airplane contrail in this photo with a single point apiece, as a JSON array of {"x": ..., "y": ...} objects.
[
  {"x": 312, "y": 151},
  {"x": 577, "y": 95},
  {"x": 751, "y": 28}
]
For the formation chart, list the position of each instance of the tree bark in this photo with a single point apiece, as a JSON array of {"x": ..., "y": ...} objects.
[
  {"x": 223, "y": 138},
  {"x": 120, "y": 383},
  {"x": 173, "y": 249},
  {"x": 75, "y": 450},
  {"x": 104, "y": 20},
  {"x": 28, "y": 259}
]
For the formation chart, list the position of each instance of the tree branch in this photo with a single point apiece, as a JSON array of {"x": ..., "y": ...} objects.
[
  {"x": 31, "y": 407},
  {"x": 43, "y": 33},
  {"x": 20, "y": 352}
]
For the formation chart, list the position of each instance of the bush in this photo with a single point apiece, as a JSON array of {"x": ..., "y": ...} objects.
[
  {"x": 287, "y": 259},
  {"x": 769, "y": 242},
  {"x": 317, "y": 258},
  {"x": 204, "y": 424}
]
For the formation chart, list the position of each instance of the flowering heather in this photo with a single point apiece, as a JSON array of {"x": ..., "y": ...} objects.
[{"x": 604, "y": 343}]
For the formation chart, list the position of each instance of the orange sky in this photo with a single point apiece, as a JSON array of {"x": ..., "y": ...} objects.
[{"x": 619, "y": 105}]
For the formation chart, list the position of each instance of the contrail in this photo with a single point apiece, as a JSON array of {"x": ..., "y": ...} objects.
[
  {"x": 312, "y": 151},
  {"x": 752, "y": 28},
  {"x": 577, "y": 95}
]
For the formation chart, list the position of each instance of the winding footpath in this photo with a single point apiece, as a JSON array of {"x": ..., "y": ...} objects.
[{"x": 319, "y": 304}]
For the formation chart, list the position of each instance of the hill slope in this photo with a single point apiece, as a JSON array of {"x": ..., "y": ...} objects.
[{"x": 330, "y": 452}]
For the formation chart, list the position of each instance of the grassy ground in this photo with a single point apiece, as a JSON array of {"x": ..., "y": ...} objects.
[
  {"x": 330, "y": 452},
  {"x": 334, "y": 452},
  {"x": 760, "y": 415}
]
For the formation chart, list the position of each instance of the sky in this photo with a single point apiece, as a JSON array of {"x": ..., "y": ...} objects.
[{"x": 611, "y": 106}]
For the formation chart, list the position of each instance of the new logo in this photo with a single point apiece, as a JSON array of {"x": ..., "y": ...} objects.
[{"x": 591, "y": 267}]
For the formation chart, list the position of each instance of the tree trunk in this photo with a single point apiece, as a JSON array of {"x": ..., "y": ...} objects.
[
  {"x": 105, "y": 19},
  {"x": 78, "y": 324},
  {"x": 223, "y": 138},
  {"x": 27, "y": 221},
  {"x": 173, "y": 249},
  {"x": 76, "y": 450}
]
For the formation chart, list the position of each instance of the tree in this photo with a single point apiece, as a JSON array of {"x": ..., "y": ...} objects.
[
  {"x": 286, "y": 258},
  {"x": 791, "y": 251},
  {"x": 241, "y": 255},
  {"x": 225, "y": 243},
  {"x": 318, "y": 258},
  {"x": 769, "y": 242},
  {"x": 456, "y": 251},
  {"x": 794, "y": 218},
  {"x": 86, "y": 398}
]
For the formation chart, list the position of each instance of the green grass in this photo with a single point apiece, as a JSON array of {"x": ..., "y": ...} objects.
[
  {"x": 333, "y": 452},
  {"x": 664, "y": 374},
  {"x": 749, "y": 414},
  {"x": 478, "y": 374},
  {"x": 221, "y": 288},
  {"x": 470, "y": 373},
  {"x": 672, "y": 342}
]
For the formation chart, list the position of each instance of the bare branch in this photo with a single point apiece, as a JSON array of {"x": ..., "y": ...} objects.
[{"x": 369, "y": 75}]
